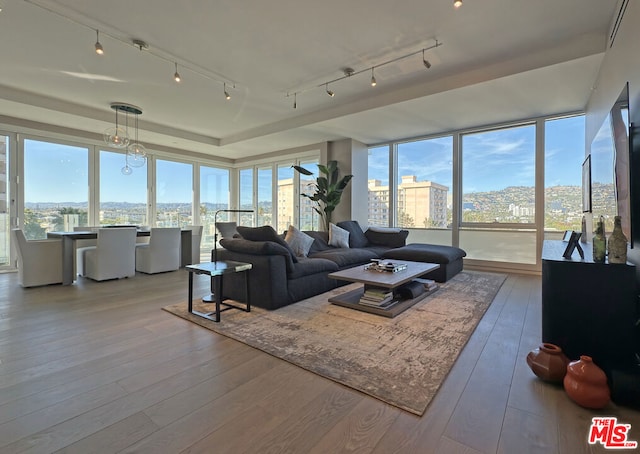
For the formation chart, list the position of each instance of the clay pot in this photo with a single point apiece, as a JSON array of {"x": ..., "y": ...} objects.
[
  {"x": 586, "y": 384},
  {"x": 548, "y": 362}
]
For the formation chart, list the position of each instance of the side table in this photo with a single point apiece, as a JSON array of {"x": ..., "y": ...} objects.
[{"x": 217, "y": 270}]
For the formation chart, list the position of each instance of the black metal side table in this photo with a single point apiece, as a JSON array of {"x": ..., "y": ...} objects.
[{"x": 217, "y": 270}]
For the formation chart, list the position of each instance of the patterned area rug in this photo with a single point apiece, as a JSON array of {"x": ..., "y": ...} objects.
[{"x": 401, "y": 360}]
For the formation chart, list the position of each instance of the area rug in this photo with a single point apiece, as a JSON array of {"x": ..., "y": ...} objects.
[{"x": 401, "y": 360}]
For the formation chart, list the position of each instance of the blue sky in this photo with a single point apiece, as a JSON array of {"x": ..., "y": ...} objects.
[{"x": 491, "y": 161}]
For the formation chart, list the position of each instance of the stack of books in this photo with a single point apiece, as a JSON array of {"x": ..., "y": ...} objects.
[{"x": 377, "y": 297}]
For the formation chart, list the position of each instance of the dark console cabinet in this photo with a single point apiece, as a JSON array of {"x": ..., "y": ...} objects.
[{"x": 588, "y": 308}]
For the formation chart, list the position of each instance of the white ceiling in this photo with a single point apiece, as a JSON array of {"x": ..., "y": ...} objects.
[{"x": 499, "y": 60}]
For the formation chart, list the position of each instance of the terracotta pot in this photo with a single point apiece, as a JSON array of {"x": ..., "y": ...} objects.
[
  {"x": 548, "y": 362},
  {"x": 586, "y": 383}
]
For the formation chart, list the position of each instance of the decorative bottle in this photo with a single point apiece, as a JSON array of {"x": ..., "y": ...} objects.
[
  {"x": 617, "y": 243},
  {"x": 599, "y": 242},
  {"x": 548, "y": 362}
]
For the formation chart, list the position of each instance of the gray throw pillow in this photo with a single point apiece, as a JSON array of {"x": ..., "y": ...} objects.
[
  {"x": 338, "y": 237},
  {"x": 264, "y": 233},
  {"x": 299, "y": 241},
  {"x": 357, "y": 237}
]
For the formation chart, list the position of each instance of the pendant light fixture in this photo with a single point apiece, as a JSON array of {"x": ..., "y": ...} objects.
[
  {"x": 98, "y": 46},
  {"x": 329, "y": 92},
  {"x": 136, "y": 152},
  {"x": 226, "y": 93},
  {"x": 373, "y": 79},
  {"x": 457, "y": 3},
  {"x": 176, "y": 75},
  {"x": 116, "y": 137},
  {"x": 136, "y": 155}
]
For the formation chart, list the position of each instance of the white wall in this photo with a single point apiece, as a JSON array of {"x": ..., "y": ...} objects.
[{"x": 621, "y": 64}]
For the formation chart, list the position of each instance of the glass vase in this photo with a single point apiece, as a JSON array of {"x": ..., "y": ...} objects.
[{"x": 617, "y": 243}]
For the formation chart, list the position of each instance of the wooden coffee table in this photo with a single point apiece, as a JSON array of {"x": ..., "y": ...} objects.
[{"x": 384, "y": 280}]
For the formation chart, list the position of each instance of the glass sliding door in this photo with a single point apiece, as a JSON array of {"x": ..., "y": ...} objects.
[
  {"x": 174, "y": 194},
  {"x": 56, "y": 187},
  {"x": 123, "y": 198},
  {"x": 214, "y": 195}
]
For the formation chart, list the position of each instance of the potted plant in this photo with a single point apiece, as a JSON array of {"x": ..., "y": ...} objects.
[{"x": 328, "y": 188}]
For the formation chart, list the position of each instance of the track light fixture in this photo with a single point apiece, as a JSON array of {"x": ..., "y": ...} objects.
[
  {"x": 329, "y": 92},
  {"x": 426, "y": 63},
  {"x": 457, "y": 3},
  {"x": 176, "y": 76},
  {"x": 295, "y": 100},
  {"x": 350, "y": 72},
  {"x": 98, "y": 46},
  {"x": 226, "y": 93}
]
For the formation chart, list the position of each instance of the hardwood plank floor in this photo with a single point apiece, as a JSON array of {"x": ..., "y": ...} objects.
[{"x": 99, "y": 368}]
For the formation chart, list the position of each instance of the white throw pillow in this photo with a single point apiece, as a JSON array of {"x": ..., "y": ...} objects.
[
  {"x": 338, "y": 237},
  {"x": 385, "y": 229},
  {"x": 299, "y": 241}
]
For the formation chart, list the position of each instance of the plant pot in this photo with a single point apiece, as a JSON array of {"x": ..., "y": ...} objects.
[
  {"x": 586, "y": 384},
  {"x": 548, "y": 362}
]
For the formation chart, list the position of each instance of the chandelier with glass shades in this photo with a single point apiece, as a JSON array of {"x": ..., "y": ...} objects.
[{"x": 118, "y": 137}]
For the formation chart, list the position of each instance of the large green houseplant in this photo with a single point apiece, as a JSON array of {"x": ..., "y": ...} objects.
[{"x": 328, "y": 189}]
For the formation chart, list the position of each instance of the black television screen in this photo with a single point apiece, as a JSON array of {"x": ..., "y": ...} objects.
[{"x": 610, "y": 167}]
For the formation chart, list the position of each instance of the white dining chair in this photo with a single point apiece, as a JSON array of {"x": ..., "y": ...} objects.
[
  {"x": 196, "y": 239},
  {"x": 39, "y": 261},
  {"x": 113, "y": 257},
  {"x": 162, "y": 253}
]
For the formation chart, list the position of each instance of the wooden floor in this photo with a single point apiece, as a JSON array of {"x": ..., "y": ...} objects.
[{"x": 98, "y": 367}]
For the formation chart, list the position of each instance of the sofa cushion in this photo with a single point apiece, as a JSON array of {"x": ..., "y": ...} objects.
[
  {"x": 428, "y": 253},
  {"x": 245, "y": 246},
  {"x": 389, "y": 238},
  {"x": 345, "y": 258},
  {"x": 338, "y": 237},
  {"x": 357, "y": 237},
  {"x": 307, "y": 267},
  {"x": 320, "y": 241},
  {"x": 265, "y": 233},
  {"x": 299, "y": 241}
]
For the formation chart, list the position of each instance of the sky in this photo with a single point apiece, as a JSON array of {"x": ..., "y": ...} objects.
[{"x": 491, "y": 160}]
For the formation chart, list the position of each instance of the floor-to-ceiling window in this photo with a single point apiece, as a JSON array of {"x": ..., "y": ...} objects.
[
  {"x": 498, "y": 192},
  {"x": 56, "y": 187},
  {"x": 264, "y": 216},
  {"x": 245, "y": 194},
  {"x": 309, "y": 219},
  {"x": 123, "y": 197},
  {"x": 214, "y": 195},
  {"x": 5, "y": 215},
  {"x": 286, "y": 193},
  {"x": 379, "y": 193},
  {"x": 174, "y": 193},
  {"x": 563, "y": 157},
  {"x": 424, "y": 179}
]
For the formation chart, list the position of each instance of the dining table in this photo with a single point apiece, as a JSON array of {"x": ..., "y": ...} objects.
[{"x": 69, "y": 247}]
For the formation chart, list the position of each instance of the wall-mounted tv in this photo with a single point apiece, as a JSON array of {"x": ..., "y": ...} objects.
[{"x": 610, "y": 167}]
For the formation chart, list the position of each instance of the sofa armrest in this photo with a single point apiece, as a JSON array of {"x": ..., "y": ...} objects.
[
  {"x": 267, "y": 279},
  {"x": 391, "y": 238}
]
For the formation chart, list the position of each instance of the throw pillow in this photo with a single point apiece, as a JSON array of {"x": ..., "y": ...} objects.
[
  {"x": 338, "y": 237},
  {"x": 264, "y": 233},
  {"x": 356, "y": 235},
  {"x": 299, "y": 241}
]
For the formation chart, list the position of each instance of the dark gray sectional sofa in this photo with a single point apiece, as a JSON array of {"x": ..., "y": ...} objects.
[{"x": 279, "y": 278}]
